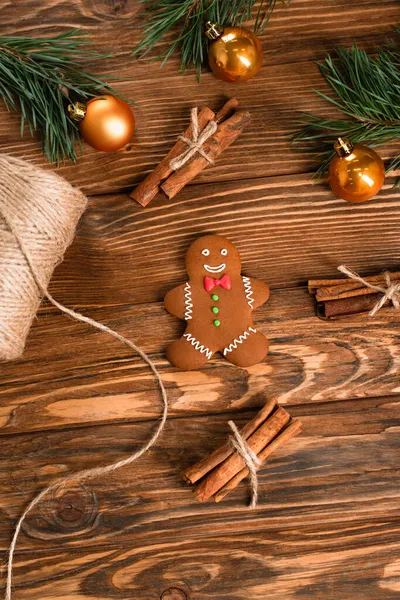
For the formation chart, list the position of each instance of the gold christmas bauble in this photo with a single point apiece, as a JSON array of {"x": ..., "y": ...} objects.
[
  {"x": 356, "y": 173},
  {"x": 235, "y": 54},
  {"x": 107, "y": 123}
]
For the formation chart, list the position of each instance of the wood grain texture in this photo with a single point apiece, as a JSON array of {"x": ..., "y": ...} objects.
[
  {"x": 282, "y": 90},
  {"x": 327, "y": 527},
  {"x": 286, "y": 229},
  {"x": 328, "y": 512},
  {"x": 71, "y": 375},
  {"x": 356, "y": 560},
  {"x": 345, "y": 460}
]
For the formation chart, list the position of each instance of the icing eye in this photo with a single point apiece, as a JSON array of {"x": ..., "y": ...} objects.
[
  {"x": 205, "y": 252},
  {"x": 224, "y": 251}
]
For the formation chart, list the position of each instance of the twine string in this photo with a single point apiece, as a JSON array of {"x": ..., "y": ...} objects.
[
  {"x": 250, "y": 458},
  {"x": 96, "y": 471},
  {"x": 194, "y": 145},
  {"x": 390, "y": 293}
]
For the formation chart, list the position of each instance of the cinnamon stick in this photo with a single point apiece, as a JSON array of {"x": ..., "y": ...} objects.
[
  {"x": 224, "y": 472},
  {"x": 226, "y": 133},
  {"x": 340, "y": 298},
  {"x": 149, "y": 187},
  {"x": 204, "y": 466},
  {"x": 313, "y": 284},
  {"x": 291, "y": 430},
  {"x": 344, "y": 307},
  {"x": 227, "y": 110},
  {"x": 333, "y": 289}
]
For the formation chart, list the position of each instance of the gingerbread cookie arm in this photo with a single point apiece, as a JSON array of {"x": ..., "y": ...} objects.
[
  {"x": 257, "y": 292},
  {"x": 178, "y": 302}
]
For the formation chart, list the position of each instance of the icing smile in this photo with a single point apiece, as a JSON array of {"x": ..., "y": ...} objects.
[{"x": 215, "y": 269}]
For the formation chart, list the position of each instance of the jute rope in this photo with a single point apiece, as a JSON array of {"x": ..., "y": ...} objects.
[
  {"x": 194, "y": 145},
  {"x": 44, "y": 210},
  {"x": 27, "y": 252},
  {"x": 389, "y": 293},
  {"x": 250, "y": 458}
]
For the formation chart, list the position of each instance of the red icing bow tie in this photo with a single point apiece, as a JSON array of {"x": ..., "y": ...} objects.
[{"x": 224, "y": 282}]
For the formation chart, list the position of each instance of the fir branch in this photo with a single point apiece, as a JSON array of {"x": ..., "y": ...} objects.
[
  {"x": 366, "y": 90},
  {"x": 187, "y": 18},
  {"x": 40, "y": 77}
]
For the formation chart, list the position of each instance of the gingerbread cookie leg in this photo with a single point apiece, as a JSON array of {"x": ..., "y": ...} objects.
[
  {"x": 188, "y": 353},
  {"x": 247, "y": 349}
]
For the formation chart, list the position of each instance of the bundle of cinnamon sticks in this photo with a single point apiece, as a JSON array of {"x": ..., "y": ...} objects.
[
  {"x": 340, "y": 298},
  {"x": 230, "y": 123},
  {"x": 221, "y": 471}
]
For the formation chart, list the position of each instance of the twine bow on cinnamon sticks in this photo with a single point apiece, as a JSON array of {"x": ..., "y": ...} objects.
[
  {"x": 338, "y": 298},
  {"x": 390, "y": 293},
  {"x": 243, "y": 454},
  {"x": 207, "y": 136},
  {"x": 250, "y": 458},
  {"x": 196, "y": 144}
]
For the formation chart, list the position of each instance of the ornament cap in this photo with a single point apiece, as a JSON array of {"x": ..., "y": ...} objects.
[
  {"x": 213, "y": 30},
  {"x": 343, "y": 147},
  {"x": 77, "y": 111}
]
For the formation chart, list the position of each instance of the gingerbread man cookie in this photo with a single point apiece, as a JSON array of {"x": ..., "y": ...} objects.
[{"x": 217, "y": 303}]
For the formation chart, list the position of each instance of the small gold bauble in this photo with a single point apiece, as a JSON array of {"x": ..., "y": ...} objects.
[
  {"x": 235, "y": 54},
  {"x": 106, "y": 123},
  {"x": 356, "y": 173}
]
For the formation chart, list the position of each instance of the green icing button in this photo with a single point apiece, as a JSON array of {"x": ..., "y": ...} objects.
[
  {"x": 215, "y": 310},
  {"x": 217, "y": 323},
  {"x": 215, "y": 297}
]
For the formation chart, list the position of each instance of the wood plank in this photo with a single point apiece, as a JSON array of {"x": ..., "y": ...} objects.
[
  {"x": 287, "y": 231},
  {"x": 263, "y": 148},
  {"x": 327, "y": 525},
  {"x": 343, "y": 465},
  {"x": 357, "y": 560},
  {"x": 71, "y": 375},
  {"x": 298, "y": 33},
  {"x": 276, "y": 97}
]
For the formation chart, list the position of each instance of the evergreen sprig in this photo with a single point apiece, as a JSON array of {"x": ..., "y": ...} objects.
[
  {"x": 367, "y": 92},
  {"x": 187, "y": 18},
  {"x": 40, "y": 77}
]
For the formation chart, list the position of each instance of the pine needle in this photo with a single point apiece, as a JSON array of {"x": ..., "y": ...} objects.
[
  {"x": 367, "y": 91},
  {"x": 186, "y": 19},
  {"x": 40, "y": 77}
]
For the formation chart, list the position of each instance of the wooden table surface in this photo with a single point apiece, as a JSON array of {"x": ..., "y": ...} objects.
[{"x": 327, "y": 526}]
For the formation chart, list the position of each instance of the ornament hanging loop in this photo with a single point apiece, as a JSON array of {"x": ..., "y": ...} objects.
[
  {"x": 77, "y": 111},
  {"x": 343, "y": 147},
  {"x": 213, "y": 30}
]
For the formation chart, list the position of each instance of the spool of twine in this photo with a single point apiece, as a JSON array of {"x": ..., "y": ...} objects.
[
  {"x": 39, "y": 212},
  {"x": 43, "y": 210}
]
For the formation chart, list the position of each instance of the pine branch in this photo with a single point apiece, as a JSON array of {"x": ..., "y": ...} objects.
[
  {"x": 366, "y": 90},
  {"x": 40, "y": 77},
  {"x": 187, "y": 18}
]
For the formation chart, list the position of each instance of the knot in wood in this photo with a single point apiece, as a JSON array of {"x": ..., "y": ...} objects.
[
  {"x": 106, "y": 9},
  {"x": 174, "y": 594},
  {"x": 117, "y": 5},
  {"x": 72, "y": 509},
  {"x": 67, "y": 511}
]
